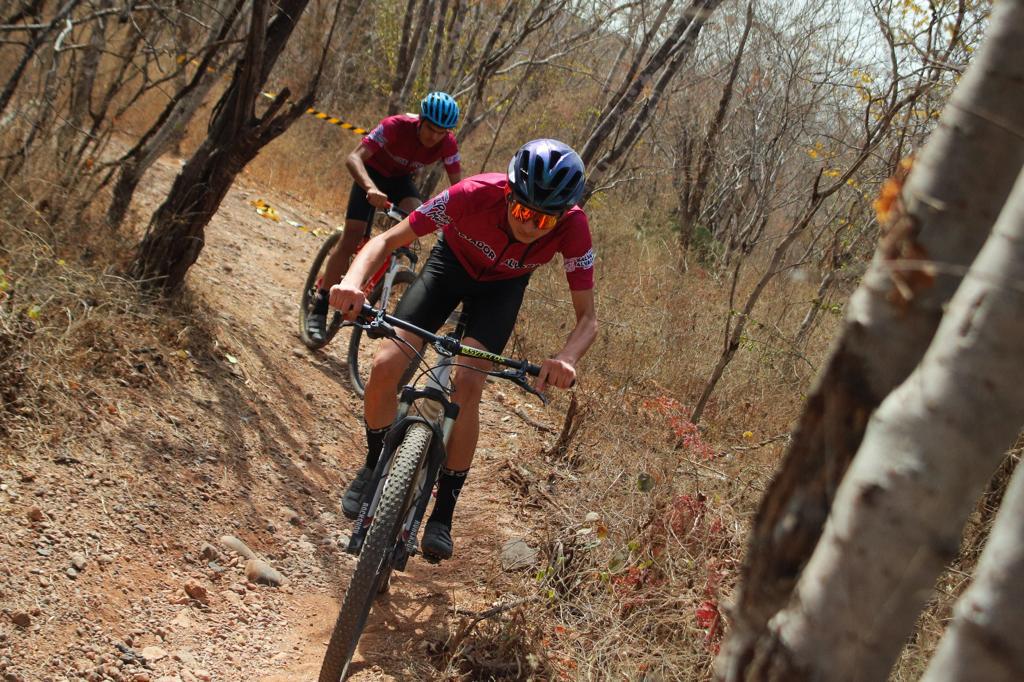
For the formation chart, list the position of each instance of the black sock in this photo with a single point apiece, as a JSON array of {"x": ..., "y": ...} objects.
[
  {"x": 322, "y": 302},
  {"x": 449, "y": 485},
  {"x": 374, "y": 444}
]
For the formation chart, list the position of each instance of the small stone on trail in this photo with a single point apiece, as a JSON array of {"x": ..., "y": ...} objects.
[
  {"x": 78, "y": 561},
  {"x": 262, "y": 573},
  {"x": 72, "y": 573},
  {"x": 209, "y": 552},
  {"x": 237, "y": 546},
  {"x": 21, "y": 619},
  {"x": 35, "y": 514},
  {"x": 153, "y": 653},
  {"x": 197, "y": 591},
  {"x": 298, "y": 352},
  {"x": 516, "y": 554}
]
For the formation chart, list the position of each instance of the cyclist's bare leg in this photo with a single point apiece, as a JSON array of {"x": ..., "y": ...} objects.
[
  {"x": 340, "y": 258},
  {"x": 409, "y": 204},
  {"x": 469, "y": 387},
  {"x": 380, "y": 400},
  {"x": 337, "y": 262}
]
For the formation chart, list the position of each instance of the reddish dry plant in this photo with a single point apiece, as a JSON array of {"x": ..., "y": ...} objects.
[{"x": 687, "y": 433}]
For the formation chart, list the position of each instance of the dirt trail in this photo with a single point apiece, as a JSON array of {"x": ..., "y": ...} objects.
[{"x": 253, "y": 437}]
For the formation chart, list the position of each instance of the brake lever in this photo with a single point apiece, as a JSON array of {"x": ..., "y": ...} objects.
[
  {"x": 377, "y": 328},
  {"x": 519, "y": 378}
]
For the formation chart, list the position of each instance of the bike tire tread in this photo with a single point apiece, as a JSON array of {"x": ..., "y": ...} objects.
[
  {"x": 380, "y": 540},
  {"x": 311, "y": 277}
]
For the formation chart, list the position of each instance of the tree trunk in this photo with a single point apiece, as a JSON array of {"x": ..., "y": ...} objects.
[
  {"x": 692, "y": 200},
  {"x": 984, "y": 640},
  {"x": 952, "y": 196},
  {"x": 636, "y": 87},
  {"x": 733, "y": 344},
  {"x": 38, "y": 39},
  {"x": 176, "y": 232},
  {"x": 402, "y": 59},
  {"x": 927, "y": 454},
  {"x": 170, "y": 126},
  {"x": 419, "y": 47}
]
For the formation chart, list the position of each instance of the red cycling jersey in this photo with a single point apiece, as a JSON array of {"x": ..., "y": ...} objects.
[
  {"x": 472, "y": 216},
  {"x": 397, "y": 149}
]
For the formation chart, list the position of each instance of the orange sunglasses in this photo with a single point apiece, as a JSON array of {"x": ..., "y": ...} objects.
[{"x": 523, "y": 213}]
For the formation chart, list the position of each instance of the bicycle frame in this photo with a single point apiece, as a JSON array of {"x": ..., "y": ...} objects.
[
  {"x": 392, "y": 265},
  {"x": 433, "y": 408}
]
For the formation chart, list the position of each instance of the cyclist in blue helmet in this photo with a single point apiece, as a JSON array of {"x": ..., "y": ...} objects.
[
  {"x": 382, "y": 167},
  {"x": 496, "y": 229}
]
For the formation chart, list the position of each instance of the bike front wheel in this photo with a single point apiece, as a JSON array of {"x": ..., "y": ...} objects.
[
  {"x": 309, "y": 292},
  {"x": 374, "y": 564},
  {"x": 359, "y": 363}
]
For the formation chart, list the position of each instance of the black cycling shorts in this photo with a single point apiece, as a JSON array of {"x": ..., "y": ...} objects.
[
  {"x": 397, "y": 189},
  {"x": 491, "y": 307}
]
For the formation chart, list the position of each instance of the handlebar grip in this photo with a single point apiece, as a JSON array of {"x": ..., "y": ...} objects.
[
  {"x": 396, "y": 213},
  {"x": 531, "y": 369}
]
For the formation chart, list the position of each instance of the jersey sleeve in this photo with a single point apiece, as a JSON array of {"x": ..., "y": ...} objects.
[
  {"x": 450, "y": 155},
  {"x": 578, "y": 253},
  {"x": 378, "y": 138},
  {"x": 439, "y": 212}
]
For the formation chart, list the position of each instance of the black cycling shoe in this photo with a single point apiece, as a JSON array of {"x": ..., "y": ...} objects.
[
  {"x": 353, "y": 498},
  {"x": 316, "y": 323},
  {"x": 437, "y": 541}
]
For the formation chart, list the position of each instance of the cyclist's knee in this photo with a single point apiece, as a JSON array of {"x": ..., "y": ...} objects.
[
  {"x": 353, "y": 233},
  {"x": 409, "y": 203},
  {"x": 469, "y": 386},
  {"x": 389, "y": 362}
]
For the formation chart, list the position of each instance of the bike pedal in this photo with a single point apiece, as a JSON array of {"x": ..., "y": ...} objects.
[{"x": 432, "y": 559}]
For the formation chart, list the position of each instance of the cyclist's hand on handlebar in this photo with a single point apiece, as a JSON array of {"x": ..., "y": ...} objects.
[
  {"x": 378, "y": 199},
  {"x": 347, "y": 299},
  {"x": 557, "y": 373}
]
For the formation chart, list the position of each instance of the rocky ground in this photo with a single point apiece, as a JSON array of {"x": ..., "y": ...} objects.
[{"x": 185, "y": 525}]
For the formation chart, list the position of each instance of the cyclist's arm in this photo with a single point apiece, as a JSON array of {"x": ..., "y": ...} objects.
[
  {"x": 348, "y": 295},
  {"x": 560, "y": 370},
  {"x": 454, "y": 177},
  {"x": 356, "y": 164}
]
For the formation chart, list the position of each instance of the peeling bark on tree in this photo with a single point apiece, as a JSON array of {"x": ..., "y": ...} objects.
[{"x": 953, "y": 195}]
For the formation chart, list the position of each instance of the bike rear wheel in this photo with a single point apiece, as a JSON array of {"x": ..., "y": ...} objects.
[
  {"x": 309, "y": 292},
  {"x": 359, "y": 365},
  {"x": 374, "y": 564}
]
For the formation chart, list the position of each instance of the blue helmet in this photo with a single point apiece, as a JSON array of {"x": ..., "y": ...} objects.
[
  {"x": 547, "y": 175},
  {"x": 440, "y": 109}
]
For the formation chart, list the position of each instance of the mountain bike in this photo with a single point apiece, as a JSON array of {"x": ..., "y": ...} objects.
[
  {"x": 397, "y": 494},
  {"x": 385, "y": 287}
]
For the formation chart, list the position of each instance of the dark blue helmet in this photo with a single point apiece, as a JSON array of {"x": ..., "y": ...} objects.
[
  {"x": 547, "y": 175},
  {"x": 440, "y": 109}
]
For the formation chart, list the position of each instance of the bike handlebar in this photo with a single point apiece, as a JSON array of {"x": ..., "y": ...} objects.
[{"x": 371, "y": 317}]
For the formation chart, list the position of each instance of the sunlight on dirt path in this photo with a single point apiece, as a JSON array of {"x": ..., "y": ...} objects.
[{"x": 258, "y": 446}]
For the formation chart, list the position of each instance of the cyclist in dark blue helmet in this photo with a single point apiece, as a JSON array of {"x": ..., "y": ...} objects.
[
  {"x": 496, "y": 229},
  {"x": 382, "y": 167}
]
